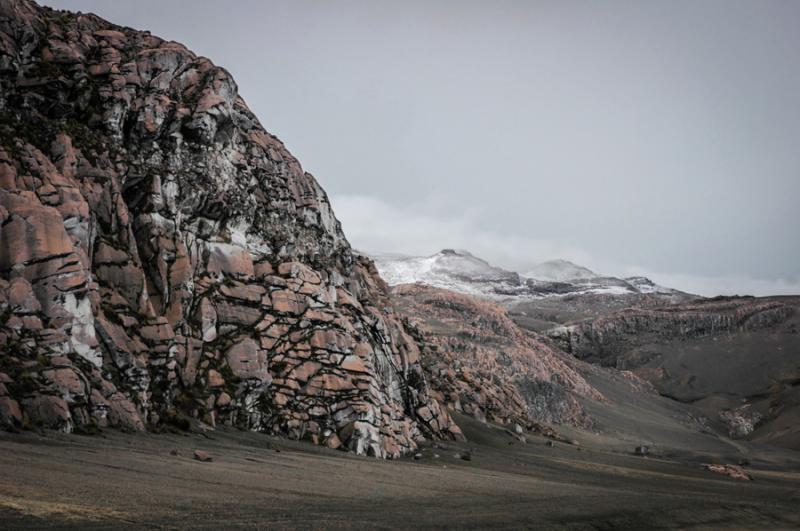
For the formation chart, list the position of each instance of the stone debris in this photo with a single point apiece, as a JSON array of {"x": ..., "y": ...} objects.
[
  {"x": 733, "y": 471},
  {"x": 741, "y": 421}
]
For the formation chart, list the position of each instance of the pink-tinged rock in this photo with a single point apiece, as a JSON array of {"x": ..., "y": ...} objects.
[
  {"x": 363, "y": 350},
  {"x": 245, "y": 292},
  {"x": 732, "y": 471},
  {"x": 223, "y": 400},
  {"x": 157, "y": 332},
  {"x": 286, "y": 301},
  {"x": 202, "y": 456},
  {"x": 267, "y": 342},
  {"x": 304, "y": 371},
  {"x": 345, "y": 298},
  {"x": 331, "y": 383},
  {"x": 31, "y": 322},
  {"x": 34, "y": 231},
  {"x": 10, "y": 414},
  {"x": 215, "y": 379},
  {"x": 117, "y": 39},
  {"x": 354, "y": 364},
  {"x": 48, "y": 411},
  {"x": 230, "y": 259},
  {"x": 21, "y": 296},
  {"x": 67, "y": 381},
  {"x": 263, "y": 269},
  {"x": 333, "y": 441},
  {"x": 300, "y": 271},
  {"x": 99, "y": 69},
  {"x": 318, "y": 315},
  {"x": 146, "y": 230},
  {"x": 237, "y": 314},
  {"x": 8, "y": 181},
  {"x": 105, "y": 254},
  {"x": 248, "y": 361},
  {"x": 332, "y": 340},
  {"x": 122, "y": 413}
]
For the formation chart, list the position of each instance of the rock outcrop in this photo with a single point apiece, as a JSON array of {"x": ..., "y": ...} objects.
[
  {"x": 733, "y": 358},
  {"x": 599, "y": 339},
  {"x": 162, "y": 256},
  {"x": 480, "y": 363}
]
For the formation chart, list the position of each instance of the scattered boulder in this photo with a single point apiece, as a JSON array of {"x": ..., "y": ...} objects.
[{"x": 202, "y": 456}]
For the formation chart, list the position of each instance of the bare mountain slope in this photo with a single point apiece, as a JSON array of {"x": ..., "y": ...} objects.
[{"x": 736, "y": 359}]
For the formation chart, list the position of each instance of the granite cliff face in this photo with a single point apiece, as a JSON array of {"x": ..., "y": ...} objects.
[{"x": 162, "y": 256}]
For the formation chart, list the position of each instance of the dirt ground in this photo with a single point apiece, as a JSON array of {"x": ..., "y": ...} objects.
[{"x": 117, "y": 480}]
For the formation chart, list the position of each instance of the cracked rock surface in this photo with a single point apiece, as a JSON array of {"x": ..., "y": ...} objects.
[{"x": 162, "y": 256}]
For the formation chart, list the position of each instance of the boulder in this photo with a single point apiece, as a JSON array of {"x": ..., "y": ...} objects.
[{"x": 202, "y": 456}]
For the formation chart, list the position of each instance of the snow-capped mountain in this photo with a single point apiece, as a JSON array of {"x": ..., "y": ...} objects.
[
  {"x": 559, "y": 271},
  {"x": 456, "y": 270},
  {"x": 463, "y": 272}
]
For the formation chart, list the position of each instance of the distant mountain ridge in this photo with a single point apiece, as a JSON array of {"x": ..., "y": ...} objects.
[
  {"x": 559, "y": 271},
  {"x": 463, "y": 272}
]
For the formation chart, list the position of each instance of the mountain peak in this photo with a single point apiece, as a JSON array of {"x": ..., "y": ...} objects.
[{"x": 559, "y": 270}]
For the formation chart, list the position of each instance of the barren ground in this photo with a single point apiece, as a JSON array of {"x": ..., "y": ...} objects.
[{"x": 118, "y": 480}]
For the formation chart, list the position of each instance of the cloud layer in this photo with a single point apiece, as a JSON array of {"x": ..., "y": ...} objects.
[{"x": 375, "y": 226}]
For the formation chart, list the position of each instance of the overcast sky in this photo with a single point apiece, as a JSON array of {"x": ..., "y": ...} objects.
[{"x": 633, "y": 137}]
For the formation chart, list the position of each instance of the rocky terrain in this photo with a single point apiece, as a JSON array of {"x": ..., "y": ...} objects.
[
  {"x": 735, "y": 358},
  {"x": 481, "y": 363},
  {"x": 164, "y": 260},
  {"x": 181, "y": 315}
]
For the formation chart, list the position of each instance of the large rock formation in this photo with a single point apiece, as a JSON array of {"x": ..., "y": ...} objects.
[{"x": 163, "y": 256}]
